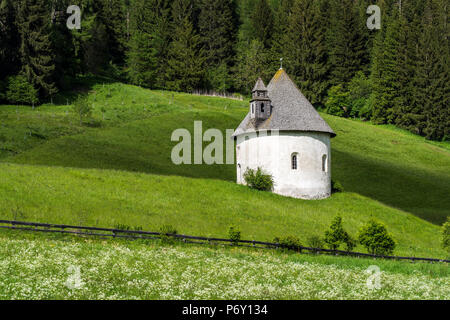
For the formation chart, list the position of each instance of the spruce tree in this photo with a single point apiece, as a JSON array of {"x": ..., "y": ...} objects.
[
  {"x": 347, "y": 43},
  {"x": 262, "y": 22},
  {"x": 33, "y": 20},
  {"x": 252, "y": 62},
  {"x": 62, "y": 46},
  {"x": 282, "y": 11},
  {"x": 217, "y": 29},
  {"x": 408, "y": 114},
  {"x": 9, "y": 39},
  {"x": 432, "y": 74},
  {"x": 305, "y": 49},
  {"x": 142, "y": 54},
  {"x": 185, "y": 57}
]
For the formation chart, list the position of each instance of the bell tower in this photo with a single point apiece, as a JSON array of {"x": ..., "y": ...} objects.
[{"x": 260, "y": 105}]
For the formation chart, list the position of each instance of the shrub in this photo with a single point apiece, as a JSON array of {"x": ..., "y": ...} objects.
[
  {"x": 359, "y": 92},
  {"x": 167, "y": 231},
  {"x": 82, "y": 108},
  {"x": 125, "y": 227},
  {"x": 376, "y": 239},
  {"x": 258, "y": 180},
  {"x": 446, "y": 235},
  {"x": 2, "y": 91},
  {"x": 315, "y": 242},
  {"x": 337, "y": 102},
  {"x": 350, "y": 244},
  {"x": 336, "y": 235},
  {"x": 336, "y": 186},
  {"x": 21, "y": 91},
  {"x": 289, "y": 242},
  {"x": 234, "y": 234}
]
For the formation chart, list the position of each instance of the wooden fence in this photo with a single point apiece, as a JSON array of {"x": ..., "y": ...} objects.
[{"x": 134, "y": 234}]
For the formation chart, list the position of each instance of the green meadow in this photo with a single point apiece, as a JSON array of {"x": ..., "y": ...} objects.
[
  {"x": 37, "y": 266},
  {"x": 116, "y": 168}
]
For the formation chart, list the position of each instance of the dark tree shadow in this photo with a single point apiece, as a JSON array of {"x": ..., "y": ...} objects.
[{"x": 419, "y": 192}]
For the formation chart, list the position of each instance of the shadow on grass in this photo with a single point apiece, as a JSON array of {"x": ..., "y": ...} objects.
[
  {"x": 419, "y": 192},
  {"x": 81, "y": 86}
]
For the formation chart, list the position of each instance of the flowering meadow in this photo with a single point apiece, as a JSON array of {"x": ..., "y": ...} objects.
[{"x": 41, "y": 267}]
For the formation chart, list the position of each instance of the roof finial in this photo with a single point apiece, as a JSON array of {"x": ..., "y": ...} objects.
[{"x": 281, "y": 62}]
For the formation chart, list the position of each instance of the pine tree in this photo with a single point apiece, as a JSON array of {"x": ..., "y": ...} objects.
[
  {"x": 262, "y": 22},
  {"x": 186, "y": 58},
  {"x": 62, "y": 46},
  {"x": 9, "y": 40},
  {"x": 347, "y": 44},
  {"x": 217, "y": 30},
  {"x": 111, "y": 14},
  {"x": 142, "y": 55},
  {"x": 282, "y": 11},
  {"x": 252, "y": 62},
  {"x": 432, "y": 74},
  {"x": 384, "y": 74},
  {"x": 305, "y": 49},
  {"x": 35, "y": 50},
  {"x": 408, "y": 114}
]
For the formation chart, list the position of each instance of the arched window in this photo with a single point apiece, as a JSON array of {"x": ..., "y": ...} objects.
[
  {"x": 262, "y": 107},
  {"x": 324, "y": 163},
  {"x": 294, "y": 161}
]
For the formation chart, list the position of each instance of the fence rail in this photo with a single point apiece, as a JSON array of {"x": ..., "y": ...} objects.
[{"x": 135, "y": 234}]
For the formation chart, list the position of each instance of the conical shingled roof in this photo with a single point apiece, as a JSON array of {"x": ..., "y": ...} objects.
[
  {"x": 291, "y": 110},
  {"x": 259, "y": 86}
]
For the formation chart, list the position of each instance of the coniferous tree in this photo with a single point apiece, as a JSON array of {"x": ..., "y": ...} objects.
[
  {"x": 9, "y": 40},
  {"x": 62, "y": 45},
  {"x": 252, "y": 65},
  {"x": 347, "y": 45},
  {"x": 37, "y": 58},
  {"x": 305, "y": 49},
  {"x": 408, "y": 114},
  {"x": 282, "y": 12},
  {"x": 262, "y": 22},
  {"x": 185, "y": 58},
  {"x": 432, "y": 74},
  {"x": 112, "y": 15},
  {"x": 217, "y": 28},
  {"x": 142, "y": 53}
]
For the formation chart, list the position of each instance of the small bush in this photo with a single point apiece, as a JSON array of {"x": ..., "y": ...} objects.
[
  {"x": 336, "y": 235},
  {"x": 289, "y": 242},
  {"x": 127, "y": 227},
  {"x": 446, "y": 235},
  {"x": 82, "y": 108},
  {"x": 21, "y": 91},
  {"x": 376, "y": 239},
  {"x": 234, "y": 234},
  {"x": 315, "y": 242},
  {"x": 336, "y": 186},
  {"x": 338, "y": 101},
  {"x": 350, "y": 244},
  {"x": 167, "y": 231},
  {"x": 258, "y": 180},
  {"x": 2, "y": 91}
]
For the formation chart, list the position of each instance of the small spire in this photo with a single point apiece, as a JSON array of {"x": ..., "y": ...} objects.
[{"x": 281, "y": 62}]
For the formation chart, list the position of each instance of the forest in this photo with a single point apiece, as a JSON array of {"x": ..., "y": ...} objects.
[{"x": 396, "y": 75}]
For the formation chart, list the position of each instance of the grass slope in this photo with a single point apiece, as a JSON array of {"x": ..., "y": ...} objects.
[
  {"x": 387, "y": 173},
  {"x": 54, "y": 267}
]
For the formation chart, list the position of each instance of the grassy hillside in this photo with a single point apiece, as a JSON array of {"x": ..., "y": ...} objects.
[
  {"x": 98, "y": 269},
  {"x": 116, "y": 169}
]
